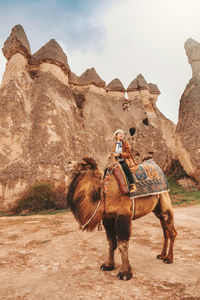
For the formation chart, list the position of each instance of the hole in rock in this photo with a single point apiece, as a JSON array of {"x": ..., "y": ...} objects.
[
  {"x": 79, "y": 99},
  {"x": 132, "y": 131},
  {"x": 145, "y": 122},
  {"x": 33, "y": 74}
]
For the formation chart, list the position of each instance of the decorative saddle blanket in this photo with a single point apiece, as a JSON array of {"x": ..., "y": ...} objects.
[{"x": 149, "y": 180}]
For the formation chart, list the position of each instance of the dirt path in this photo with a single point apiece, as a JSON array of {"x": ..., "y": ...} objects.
[{"x": 47, "y": 257}]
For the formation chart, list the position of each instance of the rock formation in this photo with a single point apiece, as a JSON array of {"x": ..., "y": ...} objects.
[
  {"x": 115, "y": 85},
  {"x": 51, "y": 53},
  {"x": 188, "y": 128},
  {"x": 192, "y": 49},
  {"x": 17, "y": 42},
  {"x": 49, "y": 115},
  {"x": 154, "y": 133},
  {"x": 90, "y": 76}
]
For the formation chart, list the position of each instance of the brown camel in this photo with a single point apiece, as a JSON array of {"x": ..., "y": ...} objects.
[{"x": 91, "y": 201}]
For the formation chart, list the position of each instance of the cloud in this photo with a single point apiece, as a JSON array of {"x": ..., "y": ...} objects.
[
  {"x": 145, "y": 37},
  {"x": 77, "y": 22}
]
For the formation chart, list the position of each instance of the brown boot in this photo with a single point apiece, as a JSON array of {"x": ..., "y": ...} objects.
[{"x": 132, "y": 188}]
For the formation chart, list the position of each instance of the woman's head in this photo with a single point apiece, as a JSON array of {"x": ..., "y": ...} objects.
[{"x": 119, "y": 134}]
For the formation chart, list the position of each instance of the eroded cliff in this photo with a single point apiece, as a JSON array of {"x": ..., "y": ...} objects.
[{"x": 49, "y": 116}]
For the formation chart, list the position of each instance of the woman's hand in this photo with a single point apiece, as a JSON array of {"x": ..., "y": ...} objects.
[{"x": 117, "y": 154}]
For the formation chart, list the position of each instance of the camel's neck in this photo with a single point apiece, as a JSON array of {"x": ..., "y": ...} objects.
[{"x": 87, "y": 204}]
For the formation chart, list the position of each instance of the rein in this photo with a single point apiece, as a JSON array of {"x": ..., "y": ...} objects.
[
  {"x": 109, "y": 172},
  {"x": 94, "y": 213}
]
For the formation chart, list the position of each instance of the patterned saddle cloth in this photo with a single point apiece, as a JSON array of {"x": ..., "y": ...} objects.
[{"x": 149, "y": 180}]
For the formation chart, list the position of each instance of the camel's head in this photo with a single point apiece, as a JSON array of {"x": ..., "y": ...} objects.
[{"x": 76, "y": 167}]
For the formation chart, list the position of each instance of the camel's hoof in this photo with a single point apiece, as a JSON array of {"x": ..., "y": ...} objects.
[
  {"x": 167, "y": 261},
  {"x": 124, "y": 275},
  {"x": 106, "y": 268},
  {"x": 160, "y": 256}
]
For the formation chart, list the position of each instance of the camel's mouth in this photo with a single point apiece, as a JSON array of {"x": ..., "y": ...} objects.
[{"x": 72, "y": 168}]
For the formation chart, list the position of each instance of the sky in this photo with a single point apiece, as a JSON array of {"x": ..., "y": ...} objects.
[{"x": 119, "y": 38}]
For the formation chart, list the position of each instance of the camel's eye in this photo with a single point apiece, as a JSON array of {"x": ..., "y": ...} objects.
[{"x": 69, "y": 162}]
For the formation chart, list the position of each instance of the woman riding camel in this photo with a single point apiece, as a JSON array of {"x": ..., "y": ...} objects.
[{"x": 122, "y": 151}]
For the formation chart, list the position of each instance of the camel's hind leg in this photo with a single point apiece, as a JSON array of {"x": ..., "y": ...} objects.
[
  {"x": 164, "y": 212},
  {"x": 123, "y": 231},
  {"x": 109, "y": 225}
]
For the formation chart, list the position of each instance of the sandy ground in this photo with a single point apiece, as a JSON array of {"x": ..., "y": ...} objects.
[{"x": 47, "y": 257}]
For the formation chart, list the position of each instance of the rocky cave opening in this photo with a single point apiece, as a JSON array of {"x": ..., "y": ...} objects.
[
  {"x": 145, "y": 122},
  {"x": 132, "y": 131}
]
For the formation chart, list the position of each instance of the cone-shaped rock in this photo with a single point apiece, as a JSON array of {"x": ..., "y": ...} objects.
[
  {"x": 138, "y": 84},
  {"x": 192, "y": 49},
  {"x": 133, "y": 86},
  {"x": 17, "y": 42},
  {"x": 90, "y": 76},
  {"x": 74, "y": 79},
  {"x": 154, "y": 89},
  {"x": 115, "y": 85},
  {"x": 51, "y": 52}
]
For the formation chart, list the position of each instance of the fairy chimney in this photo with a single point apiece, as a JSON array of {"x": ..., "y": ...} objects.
[
  {"x": 90, "y": 76},
  {"x": 192, "y": 49},
  {"x": 17, "y": 42},
  {"x": 47, "y": 120},
  {"x": 115, "y": 89},
  {"x": 139, "y": 88},
  {"x": 51, "y": 53}
]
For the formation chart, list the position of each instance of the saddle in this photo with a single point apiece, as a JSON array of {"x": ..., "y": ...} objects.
[{"x": 149, "y": 179}]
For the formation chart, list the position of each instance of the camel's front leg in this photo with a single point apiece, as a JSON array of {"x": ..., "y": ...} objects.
[
  {"x": 112, "y": 241},
  {"x": 123, "y": 231}
]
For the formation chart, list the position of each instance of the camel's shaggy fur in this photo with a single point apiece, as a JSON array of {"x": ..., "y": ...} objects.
[
  {"x": 84, "y": 193},
  {"x": 87, "y": 195}
]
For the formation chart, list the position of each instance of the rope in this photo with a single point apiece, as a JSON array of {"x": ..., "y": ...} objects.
[
  {"x": 84, "y": 225},
  {"x": 133, "y": 202}
]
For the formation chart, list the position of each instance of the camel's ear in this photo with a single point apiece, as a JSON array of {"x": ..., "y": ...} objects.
[{"x": 91, "y": 162}]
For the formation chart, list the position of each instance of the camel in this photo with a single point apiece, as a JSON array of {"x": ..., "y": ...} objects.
[{"x": 92, "y": 201}]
